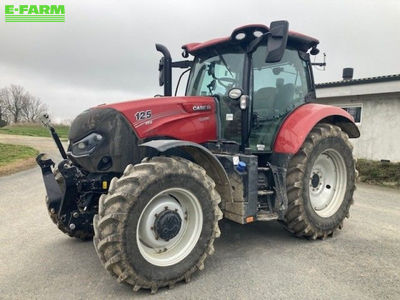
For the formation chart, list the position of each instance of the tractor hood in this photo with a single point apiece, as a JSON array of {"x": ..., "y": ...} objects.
[
  {"x": 105, "y": 138},
  {"x": 185, "y": 118}
]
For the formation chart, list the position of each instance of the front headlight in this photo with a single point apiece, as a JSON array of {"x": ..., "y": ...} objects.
[{"x": 86, "y": 145}]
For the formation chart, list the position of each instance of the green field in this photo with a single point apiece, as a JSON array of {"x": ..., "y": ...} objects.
[
  {"x": 11, "y": 153},
  {"x": 377, "y": 172},
  {"x": 34, "y": 130}
]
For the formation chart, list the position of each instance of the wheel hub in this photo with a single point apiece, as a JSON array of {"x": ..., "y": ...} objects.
[
  {"x": 315, "y": 180},
  {"x": 327, "y": 183},
  {"x": 167, "y": 224},
  {"x": 169, "y": 227}
]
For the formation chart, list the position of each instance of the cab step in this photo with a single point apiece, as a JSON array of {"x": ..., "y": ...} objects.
[
  {"x": 265, "y": 192},
  {"x": 263, "y": 215}
]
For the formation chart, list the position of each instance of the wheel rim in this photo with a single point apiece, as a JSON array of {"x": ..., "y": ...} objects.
[
  {"x": 169, "y": 227},
  {"x": 327, "y": 185}
]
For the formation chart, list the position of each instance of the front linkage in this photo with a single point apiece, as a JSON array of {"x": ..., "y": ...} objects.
[{"x": 72, "y": 195}]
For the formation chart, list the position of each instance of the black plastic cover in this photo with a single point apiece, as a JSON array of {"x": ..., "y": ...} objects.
[{"x": 119, "y": 144}]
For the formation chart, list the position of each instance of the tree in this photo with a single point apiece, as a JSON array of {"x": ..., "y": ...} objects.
[
  {"x": 32, "y": 109},
  {"x": 17, "y": 105},
  {"x": 3, "y": 116},
  {"x": 13, "y": 98}
]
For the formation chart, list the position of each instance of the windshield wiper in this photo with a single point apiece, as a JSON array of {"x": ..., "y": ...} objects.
[
  {"x": 211, "y": 86},
  {"x": 224, "y": 62}
]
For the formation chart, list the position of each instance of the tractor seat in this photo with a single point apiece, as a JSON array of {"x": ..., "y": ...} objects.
[
  {"x": 283, "y": 98},
  {"x": 264, "y": 100}
]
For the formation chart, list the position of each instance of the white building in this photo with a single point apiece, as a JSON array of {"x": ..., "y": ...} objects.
[{"x": 375, "y": 105}]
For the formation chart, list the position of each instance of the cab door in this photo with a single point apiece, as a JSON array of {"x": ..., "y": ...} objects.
[{"x": 277, "y": 89}]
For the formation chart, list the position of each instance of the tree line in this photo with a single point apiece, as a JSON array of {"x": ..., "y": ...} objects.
[{"x": 18, "y": 105}]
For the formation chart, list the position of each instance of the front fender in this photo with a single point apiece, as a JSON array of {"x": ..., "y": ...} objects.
[
  {"x": 299, "y": 123},
  {"x": 201, "y": 156}
]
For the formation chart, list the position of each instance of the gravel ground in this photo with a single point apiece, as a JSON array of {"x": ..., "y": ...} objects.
[{"x": 259, "y": 260}]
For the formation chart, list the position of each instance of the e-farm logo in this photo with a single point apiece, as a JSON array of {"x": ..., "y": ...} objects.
[{"x": 34, "y": 13}]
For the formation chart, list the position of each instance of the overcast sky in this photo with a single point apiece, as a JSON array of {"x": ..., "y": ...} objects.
[{"x": 104, "y": 52}]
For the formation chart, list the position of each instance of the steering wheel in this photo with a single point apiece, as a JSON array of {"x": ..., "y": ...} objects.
[{"x": 226, "y": 79}]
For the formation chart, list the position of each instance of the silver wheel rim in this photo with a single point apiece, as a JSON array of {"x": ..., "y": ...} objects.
[
  {"x": 161, "y": 252},
  {"x": 327, "y": 186}
]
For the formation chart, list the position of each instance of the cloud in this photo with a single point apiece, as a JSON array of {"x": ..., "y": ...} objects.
[{"x": 105, "y": 49}]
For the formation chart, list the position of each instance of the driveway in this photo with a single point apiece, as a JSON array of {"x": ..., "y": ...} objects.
[{"x": 259, "y": 260}]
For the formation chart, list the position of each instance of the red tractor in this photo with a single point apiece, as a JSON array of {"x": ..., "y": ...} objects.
[{"x": 150, "y": 179}]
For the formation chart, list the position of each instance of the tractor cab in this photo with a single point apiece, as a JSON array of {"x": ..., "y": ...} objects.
[{"x": 257, "y": 76}]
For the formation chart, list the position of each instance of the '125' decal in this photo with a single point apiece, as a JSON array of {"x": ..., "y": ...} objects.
[{"x": 143, "y": 115}]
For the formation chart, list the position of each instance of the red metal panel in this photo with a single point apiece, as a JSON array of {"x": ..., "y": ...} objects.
[
  {"x": 302, "y": 38},
  {"x": 299, "y": 123},
  {"x": 185, "y": 118},
  {"x": 192, "y": 47}
]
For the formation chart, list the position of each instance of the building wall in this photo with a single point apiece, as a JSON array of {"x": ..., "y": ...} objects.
[{"x": 379, "y": 126}]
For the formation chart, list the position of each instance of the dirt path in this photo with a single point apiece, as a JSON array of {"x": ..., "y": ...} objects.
[{"x": 41, "y": 144}]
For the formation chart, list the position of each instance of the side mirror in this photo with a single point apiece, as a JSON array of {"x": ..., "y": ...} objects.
[
  {"x": 161, "y": 72},
  {"x": 277, "y": 41},
  {"x": 165, "y": 69}
]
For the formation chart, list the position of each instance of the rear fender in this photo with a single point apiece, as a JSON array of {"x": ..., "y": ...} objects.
[
  {"x": 299, "y": 123},
  {"x": 201, "y": 156}
]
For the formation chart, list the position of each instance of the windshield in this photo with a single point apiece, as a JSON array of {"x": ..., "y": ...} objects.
[{"x": 216, "y": 75}]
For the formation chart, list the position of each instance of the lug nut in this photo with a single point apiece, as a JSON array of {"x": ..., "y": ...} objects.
[
  {"x": 75, "y": 214},
  {"x": 72, "y": 226}
]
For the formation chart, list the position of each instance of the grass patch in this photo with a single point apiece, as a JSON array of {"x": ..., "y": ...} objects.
[
  {"x": 33, "y": 129},
  {"x": 10, "y": 153},
  {"x": 376, "y": 172}
]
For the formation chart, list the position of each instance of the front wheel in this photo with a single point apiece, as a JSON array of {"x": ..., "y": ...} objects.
[
  {"x": 320, "y": 183},
  {"x": 158, "y": 222}
]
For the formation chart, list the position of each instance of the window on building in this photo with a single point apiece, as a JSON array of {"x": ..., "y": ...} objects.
[{"x": 355, "y": 111}]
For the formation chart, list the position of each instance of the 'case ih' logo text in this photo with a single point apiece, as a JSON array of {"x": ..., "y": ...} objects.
[{"x": 201, "y": 107}]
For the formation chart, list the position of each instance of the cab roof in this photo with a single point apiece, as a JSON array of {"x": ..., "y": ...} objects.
[{"x": 297, "y": 40}]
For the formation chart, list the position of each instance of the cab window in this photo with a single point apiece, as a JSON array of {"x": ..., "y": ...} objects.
[
  {"x": 215, "y": 76},
  {"x": 278, "y": 88}
]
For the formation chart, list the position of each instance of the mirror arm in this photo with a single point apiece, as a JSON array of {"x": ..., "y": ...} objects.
[{"x": 182, "y": 64}]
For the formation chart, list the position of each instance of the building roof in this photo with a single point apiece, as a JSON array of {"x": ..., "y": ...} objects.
[{"x": 375, "y": 79}]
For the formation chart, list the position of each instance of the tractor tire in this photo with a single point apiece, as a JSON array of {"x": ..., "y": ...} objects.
[
  {"x": 320, "y": 183},
  {"x": 158, "y": 222},
  {"x": 79, "y": 234}
]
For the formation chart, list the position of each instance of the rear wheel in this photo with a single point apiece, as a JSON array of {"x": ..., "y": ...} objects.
[
  {"x": 158, "y": 222},
  {"x": 320, "y": 183}
]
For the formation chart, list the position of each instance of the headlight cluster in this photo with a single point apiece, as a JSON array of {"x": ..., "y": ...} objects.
[{"x": 86, "y": 145}]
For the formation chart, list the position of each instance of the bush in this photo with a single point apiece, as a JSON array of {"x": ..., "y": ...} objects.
[
  {"x": 3, "y": 123},
  {"x": 377, "y": 172}
]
